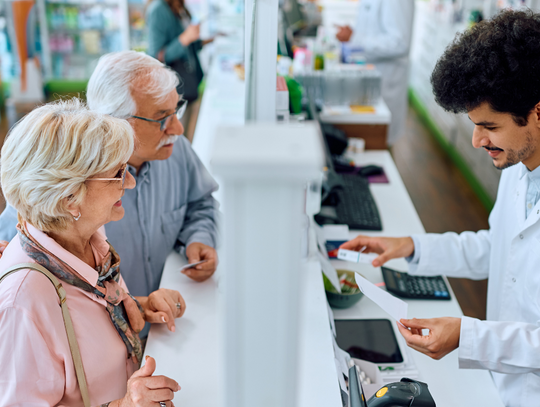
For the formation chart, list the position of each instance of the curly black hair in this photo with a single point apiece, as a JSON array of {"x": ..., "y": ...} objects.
[{"x": 497, "y": 61}]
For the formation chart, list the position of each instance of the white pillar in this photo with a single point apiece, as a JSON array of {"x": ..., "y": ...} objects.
[
  {"x": 263, "y": 171},
  {"x": 260, "y": 44}
]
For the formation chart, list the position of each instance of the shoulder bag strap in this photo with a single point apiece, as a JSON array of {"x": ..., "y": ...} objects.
[{"x": 73, "y": 345}]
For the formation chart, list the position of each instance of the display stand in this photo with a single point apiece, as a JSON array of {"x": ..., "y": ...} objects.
[{"x": 75, "y": 33}]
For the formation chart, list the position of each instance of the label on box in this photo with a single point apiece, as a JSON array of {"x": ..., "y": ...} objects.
[{"x": 356, "y": 257}]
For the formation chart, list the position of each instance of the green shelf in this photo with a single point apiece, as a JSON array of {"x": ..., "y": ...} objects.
[{"x": 66, "y": 86}]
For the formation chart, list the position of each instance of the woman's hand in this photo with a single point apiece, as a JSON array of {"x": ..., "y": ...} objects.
[
  {"x": 387, "y": 247},
  {"x": 190, "y": 34},
  {"x": 145, "y": 390},
  {"x": 163, "y": 306}
]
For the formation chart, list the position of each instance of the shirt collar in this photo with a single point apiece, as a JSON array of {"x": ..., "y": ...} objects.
[
  {"x": 524, "y": 170},
  {"x": 98, "y": 242},
  {"x": 534, "y": 175},
  {"x": 145, "y": 167}
]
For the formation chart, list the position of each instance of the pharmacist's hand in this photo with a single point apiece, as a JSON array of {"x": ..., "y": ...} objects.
[
  {"x": 190, "y": 34},
  {"x": 196, "y": 252},
  {"x": 160, "y": 307},
  {"x": 145, "y": 390},
  {"x": 344, "y": 33},
  {"x": 442, "y": 339},
  {"x": 3, "y": 245},
  {"x": 388, "y": 248}
]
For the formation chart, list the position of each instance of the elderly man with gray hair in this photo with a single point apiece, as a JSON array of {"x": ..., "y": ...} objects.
[{"x": 172, "y": 204}]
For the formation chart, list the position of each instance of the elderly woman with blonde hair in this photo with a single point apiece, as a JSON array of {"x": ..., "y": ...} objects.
[{"x": 63, "y": 168}]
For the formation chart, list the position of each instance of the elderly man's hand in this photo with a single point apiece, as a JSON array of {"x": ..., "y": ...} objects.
[
  {"x": 3, "y": 245},
  {"x": 442, "y": 339},
  {"x": 387, "y": 247},
  {"x": 196, "y": 252},
  {"x": 163, "y": 306}
]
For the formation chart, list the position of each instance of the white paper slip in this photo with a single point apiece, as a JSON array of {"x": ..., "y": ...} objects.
[
  {"x": 356, "y": 257},
  {"x": 395, "y": 307},
  {"x": 188, "y": 266}
]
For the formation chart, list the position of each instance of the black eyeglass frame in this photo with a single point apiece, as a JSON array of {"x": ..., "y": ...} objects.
[{"x": 179, "y": 112}]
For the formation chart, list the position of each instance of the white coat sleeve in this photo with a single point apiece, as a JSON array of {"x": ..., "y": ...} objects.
[
  {"x": 394, "y": 37},
  {"x": 464, "y": 255},
  {"x": 499, "y": 346}
]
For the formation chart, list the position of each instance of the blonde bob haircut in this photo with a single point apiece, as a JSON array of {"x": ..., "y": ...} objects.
[{"x": 51, "y": 152}]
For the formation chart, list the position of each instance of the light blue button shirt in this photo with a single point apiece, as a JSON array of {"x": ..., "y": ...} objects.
[
  {"x": 170, "y": 207},
  {"x": 533, "y": 188}
]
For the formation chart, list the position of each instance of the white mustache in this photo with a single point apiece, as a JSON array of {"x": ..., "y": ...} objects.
[{"x": 168, "y": 140}]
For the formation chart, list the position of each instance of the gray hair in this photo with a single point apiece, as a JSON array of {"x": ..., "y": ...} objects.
[
  {"x": 52, "y": 151},
  {"x": 112, "y": 83}
]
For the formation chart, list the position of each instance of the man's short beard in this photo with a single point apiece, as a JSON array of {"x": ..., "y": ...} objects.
[
  {"x": 168, "y": 140},
  {"x": 514, "y": 157}
]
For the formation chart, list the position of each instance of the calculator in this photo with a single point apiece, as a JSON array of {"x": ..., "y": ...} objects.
[{"x": 415, "y": 287}]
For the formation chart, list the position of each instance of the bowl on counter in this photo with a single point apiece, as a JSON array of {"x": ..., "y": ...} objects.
[{"x": 350, "y": 293}]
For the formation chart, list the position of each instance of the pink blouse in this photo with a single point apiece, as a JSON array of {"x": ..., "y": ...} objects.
[{"x": 35, "y": 361}]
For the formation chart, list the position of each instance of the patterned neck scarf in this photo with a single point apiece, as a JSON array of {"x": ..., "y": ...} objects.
[{"x": 125, "y": 311}]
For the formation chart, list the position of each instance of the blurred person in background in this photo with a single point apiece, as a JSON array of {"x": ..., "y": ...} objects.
[
  {"x": 174, "y": 39},
  {"x": 171, "y": 207},
  {"x": 64, "y": 171},
  {"x": 383, "y": 30}
]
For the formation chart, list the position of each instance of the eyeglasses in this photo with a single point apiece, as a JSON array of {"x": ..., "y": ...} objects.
[
  {"x": 179, "y": 112},
  {"x": 120, "y": 176}
]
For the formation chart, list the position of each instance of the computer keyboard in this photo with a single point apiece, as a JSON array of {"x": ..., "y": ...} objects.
[{"x": 355, "y": 204}]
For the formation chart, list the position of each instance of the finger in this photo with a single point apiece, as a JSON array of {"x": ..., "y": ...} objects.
[
  {"x": 416, "y": 331},
  {"x": 172, "y": 300},
  {"x": 161, "y": 395},
  {"x": 404, "y": 331},
  {"x": 417, "y": 323},
  {"x": 180, "y": 300},
  {"x": 161, "y": 312},
  {"x": 161, "y": 382},
  {"x": 209, "y": 264},
  {"x": 167, "y": 318},
  {"x": 357, "y": 243},
  {"x": 193, "y": 256},
  {"x": 381, "y": 259},
  {"x": 199, "y": 275},
  {"x": 3, "y": 245},
  {"x": 148, "y": 368},
  {"x": 168, "y": 308}
]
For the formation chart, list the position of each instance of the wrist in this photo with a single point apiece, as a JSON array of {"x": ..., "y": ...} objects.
[
  {"x": 144, "y": 302},
  {"x": 410, "y": 248},
  {"x": 184, "y": 39}
]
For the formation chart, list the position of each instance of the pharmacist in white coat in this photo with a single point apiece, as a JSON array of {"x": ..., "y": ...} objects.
[
  {"x": 383, "y": 30},
  {"x": 502, "y": 99}
]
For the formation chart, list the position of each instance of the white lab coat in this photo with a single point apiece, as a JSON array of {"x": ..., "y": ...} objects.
[
  {"x": 384, "y": 29},
  {"x": 508, "y": 343}
]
